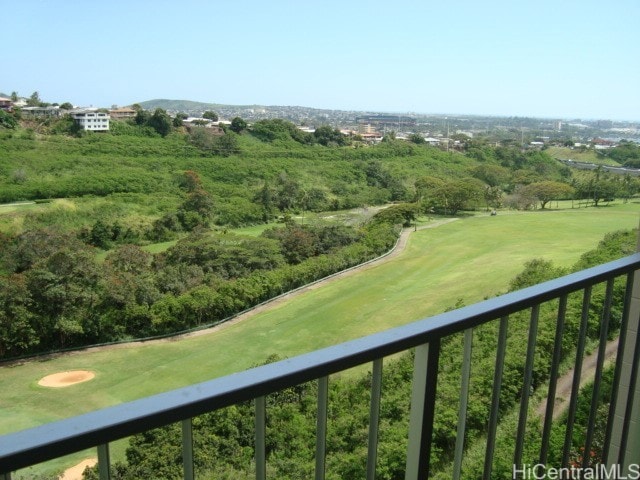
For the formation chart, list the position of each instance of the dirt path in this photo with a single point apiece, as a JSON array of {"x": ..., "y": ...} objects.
[{"x": 563, "y": 385}]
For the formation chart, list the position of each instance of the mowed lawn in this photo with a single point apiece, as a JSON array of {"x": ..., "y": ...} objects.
[{"x": 467, "y": 259}]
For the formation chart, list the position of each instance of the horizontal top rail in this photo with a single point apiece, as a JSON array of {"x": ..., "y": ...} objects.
[{"x": 35, "y": 445}]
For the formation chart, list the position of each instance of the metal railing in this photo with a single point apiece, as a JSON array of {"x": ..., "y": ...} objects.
[{"x": 99, "y": 428}]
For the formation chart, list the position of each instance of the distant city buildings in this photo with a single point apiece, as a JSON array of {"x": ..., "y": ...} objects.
[{"x": 387, "y": 121}]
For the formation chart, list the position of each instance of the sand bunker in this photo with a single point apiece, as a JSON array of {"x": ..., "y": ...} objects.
[
  {"x": 75, "y": 473},
  {"x": 64, "y": 379}
]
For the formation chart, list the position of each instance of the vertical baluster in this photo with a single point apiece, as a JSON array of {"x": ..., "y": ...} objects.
[
  {"x": 464, "y": 398},
  {"x": 374, "y": 418},
  {"x": 104, "y": 463},
  {"x": 187, "y": 449},
  {"x": 602, "y": 347},
  {"x": 626, "y": 442},
  {"x": 553, "y": 378},
  {"x": 620, "y": 355},
  {"x": 526, "y": 385},
  {"x": 423, "y": 397},
  {"x": 577, "y": 370},
  {"x": 321, "y": 430},
  {"x": 261, "y": 436},
  {"x": 495, "y": 399}
]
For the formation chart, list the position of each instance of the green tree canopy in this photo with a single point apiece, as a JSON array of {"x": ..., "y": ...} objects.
[
  {"x": 327, "y": 136},
  {"x": 210, "y": 115},
  {"x": 161, "y": 122},
  {"x": 238, "y": 125},
  {"x": 548, "y": 190}
]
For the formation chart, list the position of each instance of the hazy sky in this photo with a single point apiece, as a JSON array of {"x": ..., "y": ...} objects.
[{"x": 543, "y": 58}]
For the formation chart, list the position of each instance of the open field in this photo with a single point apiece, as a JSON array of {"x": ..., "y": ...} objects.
[
  {"x": 589, "y": 156},
  {"x": 468, "y": 259}
]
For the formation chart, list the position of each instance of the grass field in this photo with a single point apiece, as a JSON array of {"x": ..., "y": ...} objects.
[
  {"x": 468, "y": 259},
  {"x": 588, "y": 156}
]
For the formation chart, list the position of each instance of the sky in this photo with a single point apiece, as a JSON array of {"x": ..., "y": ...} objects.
[{"x": 565, "y": 59}]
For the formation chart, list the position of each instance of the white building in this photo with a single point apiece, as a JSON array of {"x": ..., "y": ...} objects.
[{"x": 91, "y": 120}]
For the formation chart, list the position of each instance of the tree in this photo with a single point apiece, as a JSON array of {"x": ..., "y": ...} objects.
[
  {"x": 100, "y": 235},
  {"x": 202, "y": 138},
  {"x": 142, "y": 116},
  {"x": 548, "y": 190},
  {"x": 492, "y": 175},
  {"x": 403, "y": 214},
  {"x": 213, "y": 116},
  {"x": 34, "y": 100},
  {"x": 17, "y": 332},
  {"x": 389, "y": 137},
  {"x": 238, "y": 125},
  {"x": 265, "y": 198},
  {"x": 190, "y": 181},
  {"x": 225, "y": 145},
  {"x": 63, "y": 288},
  {"x": 66, "y": 106},
  {"x": 179, "y": 118},
  {"x": 598, "y": 186},
  {"x": 32, "y": 246},
  {"x": 493, "y": 196},
  {"x": 458, "y": 194},
  {"x": 160, "y": 122},
  {"x": 197, "y": 209},
  {"x": 417, "y": 139},
  {"x": 328, "y": 136},
  {"x": 287, "y": 192},
  {"x": 427, "y": 189}
]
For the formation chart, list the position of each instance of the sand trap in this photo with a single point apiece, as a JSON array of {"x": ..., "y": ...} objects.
[
  {"x": 64, "y": 379},
  {"x": 75, "y": 473}
]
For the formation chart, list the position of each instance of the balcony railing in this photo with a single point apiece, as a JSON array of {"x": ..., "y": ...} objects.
[{"x": 622, "y": 439}]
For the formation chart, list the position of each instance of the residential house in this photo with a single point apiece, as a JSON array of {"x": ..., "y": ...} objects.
[
  {"x": 6, "y": 104},
  {"x": 124, "y": 112},
  {"x": 91, "y": 119},
  {"x": 49, "y": 111}
]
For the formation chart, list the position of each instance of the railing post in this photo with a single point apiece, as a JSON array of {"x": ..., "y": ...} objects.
[
  {"x": 187, "y": 449},
  {"x": 495, "y": 398},
  {"x": 321, "y": 428},
  {"x": 597, "y": 382},
  {"x": 577, "y": 371},
  {"x": 104, "y": 463},
  {"x": 374, "y": 418},
  {"x": 628, "y": 448},
  {"x": 261, "y": 438},
  {"x": 464, "y": 400},
  {"x": 526, "y": 386},
  {"x": 423, "y": 397}
]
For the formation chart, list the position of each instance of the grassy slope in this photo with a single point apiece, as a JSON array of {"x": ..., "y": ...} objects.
[
  {"x": 469, "y": 259},
  {"x": 588, "y": 156}
]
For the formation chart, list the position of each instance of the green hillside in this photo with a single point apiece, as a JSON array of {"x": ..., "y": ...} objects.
[{"x": 138, "y": 232}]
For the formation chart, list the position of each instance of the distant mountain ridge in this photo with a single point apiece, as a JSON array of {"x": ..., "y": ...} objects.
[
  {"x": 177, "y": 105},
  {"x": 185, "y": 105},
  {"x": 296, "y": 114}
]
